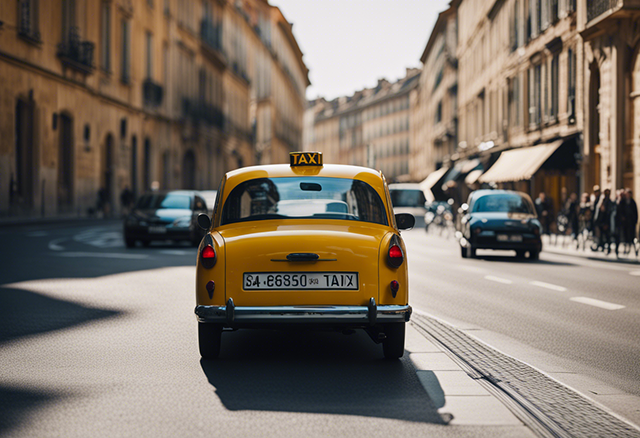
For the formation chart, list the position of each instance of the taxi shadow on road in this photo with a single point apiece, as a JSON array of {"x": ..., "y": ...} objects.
[
  {"x": 26, "y": 313},
  {"x": 316, "y": 372},
  {"x": 16, "y": 405}
]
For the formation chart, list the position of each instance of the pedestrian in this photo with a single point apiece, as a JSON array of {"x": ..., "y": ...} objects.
[
  {"x": 543, "y": 208},
  {"x": 632, "y": 223},
  {"x": 126, "y": 199},
  {"x": 618, "y": 220},
  {"x": 572, "y": 209},
  {"x": 103, "y": 202},
  {"x": 602, "y": 221}
]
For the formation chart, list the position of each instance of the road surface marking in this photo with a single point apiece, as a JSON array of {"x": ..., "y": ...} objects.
[
  {"x": 471, "y": 269},
  {"x": 597, "y": 303},
  {"x": 175, "y": 252},
  {"x": 548, "y": 286},
  {"x": 37, "y": 234},
  {"x": 53, "y": 245},
  {"x": 106, "y": 255},
  {"x": 635, "y": 273},
  {"x": 497, "y": 279}
]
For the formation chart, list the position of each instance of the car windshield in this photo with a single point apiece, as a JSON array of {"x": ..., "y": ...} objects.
[
  {"x": 502, "y": 203},
  {"x": 407, "y": 197},
  {"x": 304, "y": 198},
  {"x": 162, "y": 200}
]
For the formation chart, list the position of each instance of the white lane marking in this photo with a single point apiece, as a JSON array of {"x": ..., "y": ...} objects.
[
  {"x": 497, "y": 279},
  {"x": 597, "y": 303},
  {"x": 100, "y": 237},
  {"x": 37, "y": 234},
  {"x": 106, "y": 255},
  {"x": 174, "y": 252},
  {"x": 471, "y": 269},
  {"x": 53, "y": 245},
  {"x": 549, "y": 286},
  {"x": 635, "y": 273}
]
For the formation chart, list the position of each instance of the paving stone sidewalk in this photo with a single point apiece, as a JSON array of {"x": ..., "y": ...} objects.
[{"x": 567, "y": 246}]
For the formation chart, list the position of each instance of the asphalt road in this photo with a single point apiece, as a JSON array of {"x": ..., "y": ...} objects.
[
  {"x": 98, "y": 340},
  {"x": 542, "y": 312}
]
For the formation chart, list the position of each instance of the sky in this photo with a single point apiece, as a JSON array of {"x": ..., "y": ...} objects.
[{"x": 349, "y": 44}]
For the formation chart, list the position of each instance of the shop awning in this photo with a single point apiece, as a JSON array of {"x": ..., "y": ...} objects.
[
  {"x": 427, "y": 184},
  {"x": 473, "y": 176},
  {"x": 461, "y": 168},
  {"x": 519, "y": 164}
]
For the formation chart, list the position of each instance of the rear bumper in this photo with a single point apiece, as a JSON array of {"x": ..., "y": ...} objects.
[{"x": 337, "y": 315}]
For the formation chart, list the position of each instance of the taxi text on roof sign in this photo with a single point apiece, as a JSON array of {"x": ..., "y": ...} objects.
[{"x": 305, "y": 158}]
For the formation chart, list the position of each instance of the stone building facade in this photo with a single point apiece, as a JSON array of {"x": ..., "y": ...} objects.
[
  {"x": 370, "y": 128},
  {"x": 105, "y": 94}
]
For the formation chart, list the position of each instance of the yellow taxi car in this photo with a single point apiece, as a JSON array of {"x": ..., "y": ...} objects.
[{"x": 303, "y": 245}]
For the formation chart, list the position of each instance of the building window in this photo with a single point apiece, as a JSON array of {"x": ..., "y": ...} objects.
[
  {"x": 149, "y": 54},
  {"x": 555, "y": 61},
  {"x": 68, "y": 19},
  {"x": 438, "y": 118},
  {"x": 125, "y": 50},
  {"x": 571, "y": 89},
  {"x": 28, "y": 20},
  {"x": 534, "y": 95},
  {"x": 105, "y": 52}
]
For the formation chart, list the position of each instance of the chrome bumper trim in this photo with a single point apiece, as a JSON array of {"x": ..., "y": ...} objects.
[{"x": 304, "y": 314}]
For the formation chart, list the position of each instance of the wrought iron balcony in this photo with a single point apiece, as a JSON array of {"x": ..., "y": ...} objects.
[
  {"x": 595, "y": 8},
  {"x": 76, "y": 53},
  {"x": 203, "y": 112},
  {"x": 152, "y": 93}
]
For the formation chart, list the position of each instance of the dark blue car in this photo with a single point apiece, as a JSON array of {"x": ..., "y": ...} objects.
[{"x": 503, "y": 220}]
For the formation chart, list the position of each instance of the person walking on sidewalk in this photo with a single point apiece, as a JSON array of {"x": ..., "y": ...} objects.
[
  {"x": 632, "y": 223},
  {"x": 543, "y": 208},
  {"x": 602, "y": 221}
]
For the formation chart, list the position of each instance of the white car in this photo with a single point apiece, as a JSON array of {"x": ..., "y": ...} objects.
[{"x": 409, "y": 198}]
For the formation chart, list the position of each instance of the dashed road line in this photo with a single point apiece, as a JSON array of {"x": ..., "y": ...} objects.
[
  {"x": 498, "y": 279},
  {"x": 548, "y": 286},
  {"x": 597, "y": 303},
  {"x": 54, "y": 244},
  {"x": 106, "y": 255},
  {"x": 635, "y": 273}
]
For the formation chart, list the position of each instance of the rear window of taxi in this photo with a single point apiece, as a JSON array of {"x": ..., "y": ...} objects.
[{"x": 304, "y": 198}]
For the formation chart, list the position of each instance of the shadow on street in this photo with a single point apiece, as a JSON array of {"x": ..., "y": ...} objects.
[{"x": 316, "y": 372}]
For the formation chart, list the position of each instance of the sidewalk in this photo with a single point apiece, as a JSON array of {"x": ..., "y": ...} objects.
[{"x": 567, "y": 246}]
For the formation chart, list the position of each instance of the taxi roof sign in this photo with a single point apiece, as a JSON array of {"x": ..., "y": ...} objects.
[{"x": 305, "y": 158}]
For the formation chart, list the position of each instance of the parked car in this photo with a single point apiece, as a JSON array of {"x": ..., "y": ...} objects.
[
  {"x": 165, "y": 216},
  {"x": 209, "y": 197},
  {"x": 500, "y": 219},
  {"x": 408, "y": 198},
  {"x": 303, "y": 245}
]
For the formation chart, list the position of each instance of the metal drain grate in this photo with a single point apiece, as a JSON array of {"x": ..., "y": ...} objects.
[{"x": 560, "y": 410}]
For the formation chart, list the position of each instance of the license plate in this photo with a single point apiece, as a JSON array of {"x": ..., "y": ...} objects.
[
  {"x": 157, "y": 230},
  {"x": 300, "y": 281},
  {"x": 509, "y": 238}
]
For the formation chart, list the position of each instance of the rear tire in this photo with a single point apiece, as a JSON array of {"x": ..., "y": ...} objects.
[
  {"x": 393, "y": 344},
  {"x": 520, "y": 254},
  {"x": 463, "y": 252},
  {"x": 209, "y": 337},
  {"x": 534, "y": 254},
  {"x": 130, "y": 243},
  {"x": 471, "y": 251}
]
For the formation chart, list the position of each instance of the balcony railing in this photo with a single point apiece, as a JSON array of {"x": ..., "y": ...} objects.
[
  {"x": 595, "y": 8},
  {"x": 76, "y": 53},
  {"x": 204, "y": 112},
  {"x": 152, "y": 93}
]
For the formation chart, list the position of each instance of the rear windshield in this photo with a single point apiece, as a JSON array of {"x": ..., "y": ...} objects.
[
  {"x": 162, "y": 200},
  {"x": 502, "y": 203},
  {"x": 407, "y": 197},
  {"x": 304, "y": 198}
]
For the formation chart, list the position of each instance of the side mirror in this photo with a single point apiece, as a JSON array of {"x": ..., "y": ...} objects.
[
  {"x": 405, "y": 221},
  {"x": 203, "y": 221}
]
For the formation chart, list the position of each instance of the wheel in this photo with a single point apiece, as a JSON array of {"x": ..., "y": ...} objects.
[
  {"x": 146, "y": 243},
  {"x": 534, "y": 254},
  {"x": 471, "y": 251},
  {"x": 129, "y": 242},
  {"x": 520, "y": 253},
  {"x": 393, "y": 344},
  {"x": 209, "y": 340},
  {"x": 463, "y": 252}
]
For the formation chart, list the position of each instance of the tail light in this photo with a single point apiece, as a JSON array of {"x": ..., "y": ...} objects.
[
  {"x": 394, "y": 287},
  {"x": 208, "y": 257},
  {"x": 395, "y": 256}
]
